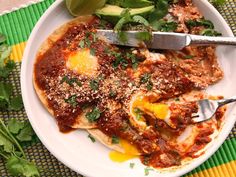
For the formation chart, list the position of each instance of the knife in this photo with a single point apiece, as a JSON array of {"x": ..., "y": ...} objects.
[{"x": 165, "y": 40}]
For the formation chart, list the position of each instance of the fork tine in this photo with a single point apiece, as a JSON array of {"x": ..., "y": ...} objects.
[{"x": 196, "y": 114}]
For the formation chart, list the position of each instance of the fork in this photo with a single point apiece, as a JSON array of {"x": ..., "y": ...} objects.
[{"x": 207, "y": 108}]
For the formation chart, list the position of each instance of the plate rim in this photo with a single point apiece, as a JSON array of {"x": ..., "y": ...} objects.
[{"x": 23, "y": 79}]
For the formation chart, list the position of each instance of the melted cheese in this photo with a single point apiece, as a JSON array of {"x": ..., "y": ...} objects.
[
  {"x": 130, "y": 152},
  {"x": 83, "y": 62}
]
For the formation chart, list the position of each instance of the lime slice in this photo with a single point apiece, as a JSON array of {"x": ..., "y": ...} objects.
[{"x": 83, "y": 7}]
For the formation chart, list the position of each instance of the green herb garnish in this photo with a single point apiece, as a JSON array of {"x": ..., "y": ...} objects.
[
  {"x": 145, "y": 78},
  {"x": 161, "y": 10},
  {"x": 6, "y": 65},
  {"x": 131, "y": 165},
  {"x": 201, "y": 22},
  {"x": 115, "y": 140},
  {"x": 218, "y": 2},
  {"x": 149, "y": 86},
  {"x": 147, "y": 170},
  {"x": 7, "y": 102},
  {"x": 93, "y": 115},
  {"x": 70, "y": 81},
  {"x": 120, "y": 60},
  {"x": 164, "y": 26},
  {"x": 112, "y": 93},
  {"x": 144, "y": 36},
  {"x": 210, "y": 32},
  {"x": 72, "y": 100},
  {"x": 94, "y": 84},
  {"x": 11, "y": 150},
  {"x": 91, "y": 138},
  {"x": 138, "y": 113},
  {"x": 188, "y": 56}
]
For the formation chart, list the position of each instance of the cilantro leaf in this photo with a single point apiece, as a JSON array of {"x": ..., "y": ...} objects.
[
  {"x": 15, "y": 126},
  {"x": 144, "y": 36},
  {"x": 18, "y": 166},
  {"x": 164, "y": 26},
  {"x": 94, "y": 84},
  {"x": 6, "y": 143},
  {"x": 145, "y": 78},
  {"x": 115, "y": 140},
  {"x": 5, "y": 92},
  {"x": 160, "y": 11},
  {"x": 218, "y": 2},
  {"x": 26, "y": 133},
  {"x": 5, "y": 102},
  {"x": 91, "y": 138},
  {"x": 72, "y": 100},
  {"x": 16, "y": 103},
  {"x": 93, "y": 115}
]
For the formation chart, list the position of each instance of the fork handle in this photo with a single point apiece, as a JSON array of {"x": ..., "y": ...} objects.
[
  {"x": 197, "y": 39},
  {"x": 226, "y": 101}
]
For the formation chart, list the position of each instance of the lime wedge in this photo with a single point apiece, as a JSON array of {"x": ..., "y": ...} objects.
[{"x": 83, "y": 7}]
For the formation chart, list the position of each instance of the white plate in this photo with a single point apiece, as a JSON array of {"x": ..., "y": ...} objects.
[{"x": 75, "y": 149}]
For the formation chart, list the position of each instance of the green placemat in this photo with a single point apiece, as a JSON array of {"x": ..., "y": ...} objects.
[{"x": 18, "y": 25}]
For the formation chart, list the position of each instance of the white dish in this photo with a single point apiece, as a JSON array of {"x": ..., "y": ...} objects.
[{"x": 76, "y": 150}]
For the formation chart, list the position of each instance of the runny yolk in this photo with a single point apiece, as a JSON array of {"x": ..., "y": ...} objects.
[
  {"x": 130, "y": 152},
  {"x": 82, "y": 62},
  {"x": 159, "y": 110}
]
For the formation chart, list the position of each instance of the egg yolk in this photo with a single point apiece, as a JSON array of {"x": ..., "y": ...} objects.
[
  {"x": 130, "y": 152},
  {"x": 159, "y": 110},
  {"x": 82, "y": 62}
]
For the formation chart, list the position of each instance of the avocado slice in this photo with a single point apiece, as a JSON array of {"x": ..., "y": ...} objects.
[
  {"x": 112, "y": 13},
  {"x": 130, "y": 3}
]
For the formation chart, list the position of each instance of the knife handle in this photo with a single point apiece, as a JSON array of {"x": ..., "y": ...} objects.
[{"x": 207, "y": 40}]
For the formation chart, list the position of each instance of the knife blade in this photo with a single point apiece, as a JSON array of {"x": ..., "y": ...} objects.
[{"x": 164, "y": 40}]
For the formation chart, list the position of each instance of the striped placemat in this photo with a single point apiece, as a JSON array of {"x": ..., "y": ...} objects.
[{"x": 17, "y": 26}]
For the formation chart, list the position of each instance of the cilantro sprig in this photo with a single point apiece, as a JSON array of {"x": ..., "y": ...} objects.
[
  {"x": 12, "y": 137},
  {"x": 7, "y": 101},
  {"x": 6, "y": 65}
]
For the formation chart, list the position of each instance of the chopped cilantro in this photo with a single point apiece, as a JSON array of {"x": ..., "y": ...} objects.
[
  {"x": 177, "y": 99},
  {"x": 122, "y": 36},
  {"x": 93, "y": 115},
  {"x": 72, "y": 100},
  {"x": 144, "y": 36},
  {"x": 164, "y": 26},
  {"x": 115, "y": 140},
  {"x": 112, "y": 93},
  {"x": 138, "y": 113},
  {"x": 149, "y": 86},
  {"x": 94, "y": 84},
  {"x": 92, "y": 52},
  {"x": 120, "y": 60},
  {"x": 131, "y": 165},
  {"x": 210, "y": 32},
  {"x": 147, "y": 170},
  {"x": 91, "y": 138},
  {"x": 81, "y": 44},
  {"x": 201, "y": 22},
  {"x": 188, "y": 56},
  {"x": 70, "y": 81},
  {"x": 145, "y": 78}
]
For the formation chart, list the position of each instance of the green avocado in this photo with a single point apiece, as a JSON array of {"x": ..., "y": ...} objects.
[
  {"x": 112, "y": 13},
  {"x": 130, "y": 3}
]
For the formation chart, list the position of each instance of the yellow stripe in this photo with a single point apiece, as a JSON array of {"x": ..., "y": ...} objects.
[
  {"x": 17, "y": 51},
  {"x": 228, "y": 169}
]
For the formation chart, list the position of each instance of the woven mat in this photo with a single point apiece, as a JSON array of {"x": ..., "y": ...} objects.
[{"x": 18, "y": 25}]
